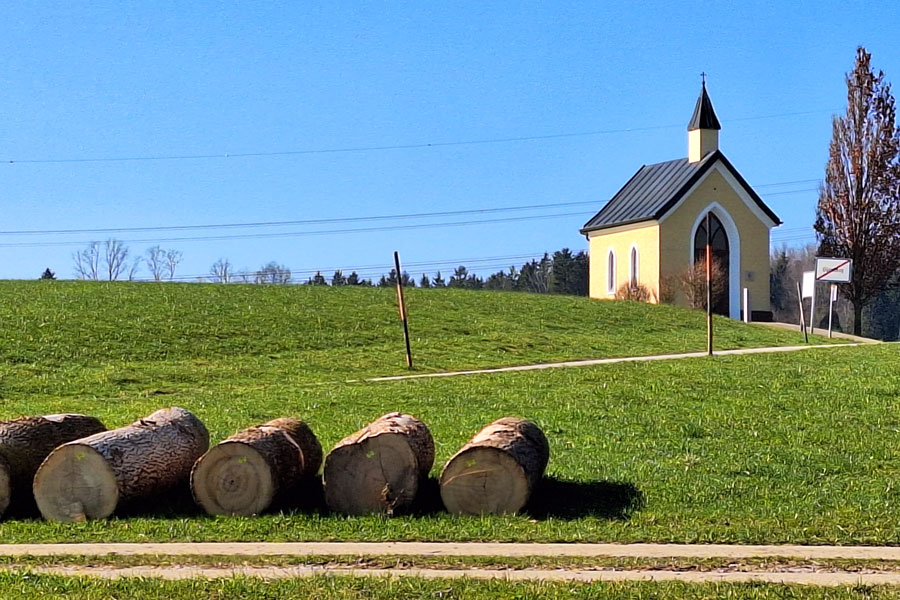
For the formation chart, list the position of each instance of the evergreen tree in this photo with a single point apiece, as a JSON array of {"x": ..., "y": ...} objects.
[
  {"x": 858, "y": 215},
  {"x": 502, "y": 280},
  {"x": 339, "y": 279},
  {"x": 317, "y": 279},
  {"x": 568, "y": 274},
  {"x": 353, "y": 279},
  {"x": 535, "y": 276},
  {"x": 424, "y": 282},
  {"x": 438, "y": 281},
  {"x": 778, "y": 279},
  {"x": 462, "y": 279},
  {"x": 391, "y": 279},
  {"x": 48, "y": 274}
]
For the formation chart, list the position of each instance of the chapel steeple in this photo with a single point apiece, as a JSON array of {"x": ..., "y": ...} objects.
[{"x": 703, "y": 130}]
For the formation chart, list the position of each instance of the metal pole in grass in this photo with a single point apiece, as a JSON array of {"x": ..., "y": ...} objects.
[
  {"x": 709, "y": 320},
  {"x": 802, "y": 318},
  {"x": 832, "y": 296},
  {"x": 402, "y": 303}
]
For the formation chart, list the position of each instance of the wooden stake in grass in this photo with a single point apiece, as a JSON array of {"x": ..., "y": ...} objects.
[
  {"x": 90, "y": 477},
  {"x": 402, "y": 303},
  {"x": 26, "y": 442},
  {"x": 244, "y": 474},
  {"x": 497, "y": 470},
  {"x": 378, "y": 468}
]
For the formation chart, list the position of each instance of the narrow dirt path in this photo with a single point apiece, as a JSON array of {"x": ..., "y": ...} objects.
[
  {"x": 610, "y": 361},
  {"x": 698, "y": 551}
]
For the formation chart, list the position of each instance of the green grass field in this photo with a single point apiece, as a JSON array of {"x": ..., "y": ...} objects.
[
  {"x": 29, "y": 585},
  {"x": 793, "y": 447},
  {"x": 335, "y": 333}
]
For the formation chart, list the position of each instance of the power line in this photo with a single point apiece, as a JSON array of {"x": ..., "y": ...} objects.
[
  {"x": 206, "y": 226},
  {"x": 299, "y": 233},
  {"x": 425, "y": 215},
  {"x": 379, "y": 148}
]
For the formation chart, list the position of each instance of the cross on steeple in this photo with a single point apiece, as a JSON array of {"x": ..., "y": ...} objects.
[{"x": 703, "y": 77}]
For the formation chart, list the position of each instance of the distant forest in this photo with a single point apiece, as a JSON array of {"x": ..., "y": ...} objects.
[{"x": 560, "y": 273}]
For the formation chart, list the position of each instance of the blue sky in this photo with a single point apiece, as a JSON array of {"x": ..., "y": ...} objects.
[{"x": 164, "y": 79}]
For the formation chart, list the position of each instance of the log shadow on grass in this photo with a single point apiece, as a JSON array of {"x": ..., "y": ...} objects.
[
  {"x": 564, "y": 499},
  {"x": 174, "y": 503},
  {"x": 307, "y": 497},
  {"x": 554, "y": 498}
]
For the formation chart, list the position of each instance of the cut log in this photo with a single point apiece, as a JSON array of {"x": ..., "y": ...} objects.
[
  {"x": 244, "y": 474},
  {"x": 89, "y": 478},
  {"x": 5, "y": 487},
  {"x": 378, "y": 468},
  {"x": 497, "y": 470},
  {"x": 26, "y": 442}
]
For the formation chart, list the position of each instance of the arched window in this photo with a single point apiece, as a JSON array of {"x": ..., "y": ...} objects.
[
  {"x": 719, "y": 248},
  {"x": 611, "y": 272},
  {"x": 633, "y": 268}
]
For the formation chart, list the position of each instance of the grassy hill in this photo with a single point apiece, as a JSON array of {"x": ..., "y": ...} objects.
[
  {"x": 347, "y": 330},
  {"x": 768, "y": 448}
]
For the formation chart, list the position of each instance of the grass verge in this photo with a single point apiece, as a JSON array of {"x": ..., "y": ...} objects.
[{"x": 50, "y": 587}]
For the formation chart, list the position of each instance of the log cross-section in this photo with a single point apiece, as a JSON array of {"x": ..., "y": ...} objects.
[
  {"x": 26, "y": 442},
  {"x": 89, "y": 478},
  {"x": 496, "y": 471},
  {"x": 245, "y": 473},
  {"x": 378, "y": 468}
]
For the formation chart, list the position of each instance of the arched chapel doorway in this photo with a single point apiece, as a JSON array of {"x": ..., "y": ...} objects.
[{"x": 720, "y": 259}]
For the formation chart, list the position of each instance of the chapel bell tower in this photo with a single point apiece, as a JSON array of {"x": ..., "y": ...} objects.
[{"x": 703, "y": 130}]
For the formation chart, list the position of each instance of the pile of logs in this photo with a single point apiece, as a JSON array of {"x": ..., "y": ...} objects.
[{"x": 76, "y": 470}]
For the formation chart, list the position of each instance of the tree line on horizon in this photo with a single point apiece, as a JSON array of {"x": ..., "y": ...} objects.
[{"x": 563, "y": 272}]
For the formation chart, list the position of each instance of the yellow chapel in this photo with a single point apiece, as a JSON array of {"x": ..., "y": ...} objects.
[{"x": 654, "y": 228}]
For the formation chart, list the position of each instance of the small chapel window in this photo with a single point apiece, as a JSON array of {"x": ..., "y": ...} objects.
[
  {"x": 611, "y": 272},
  {"x": 633, "y": 268}
]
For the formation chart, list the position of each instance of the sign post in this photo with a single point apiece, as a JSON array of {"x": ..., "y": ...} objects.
[
  {"x": 809, "y": 291},
  {"x": 833, "y": 297},
  {"x": 834, "y": 271},
  {"x": 802, "y": 318}
]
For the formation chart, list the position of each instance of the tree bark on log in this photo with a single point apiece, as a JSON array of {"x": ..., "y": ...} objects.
[
  {"x": 245, "y": 473},
  {"x": 26, "y": 442},
  {"x": 378, "y": 468},
  {"x": 89, "y": 478},
  {"x": 496, "y": 471}
]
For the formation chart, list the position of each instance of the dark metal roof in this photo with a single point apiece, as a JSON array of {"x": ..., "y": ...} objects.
[
  {"x": 704, "y": 116},
  {"x": 655, "y": 189}
]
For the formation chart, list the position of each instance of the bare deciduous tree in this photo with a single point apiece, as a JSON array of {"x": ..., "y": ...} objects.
[
  {"x": 135, "y": 267},
  {"x": 173, "y": 259},
  {"x": 221, "y": 271},
  {"x": 858, "y": 215},
  {"x": 693, "y": 283},
  {"x": 87, "y": 262},
  {"x": 115, "y": 255},
  {"x": 156, "y": 262},
  {"x": 635, "y": 293},
  {"x": 273, "y": 273}
]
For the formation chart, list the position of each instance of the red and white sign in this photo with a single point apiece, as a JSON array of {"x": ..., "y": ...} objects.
[{"x": 835, "y": 270}]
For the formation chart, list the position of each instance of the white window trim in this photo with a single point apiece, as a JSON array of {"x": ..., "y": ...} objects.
[
  {"x": 634, "y": 265},
  {"x": 611, "y": 275}
]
